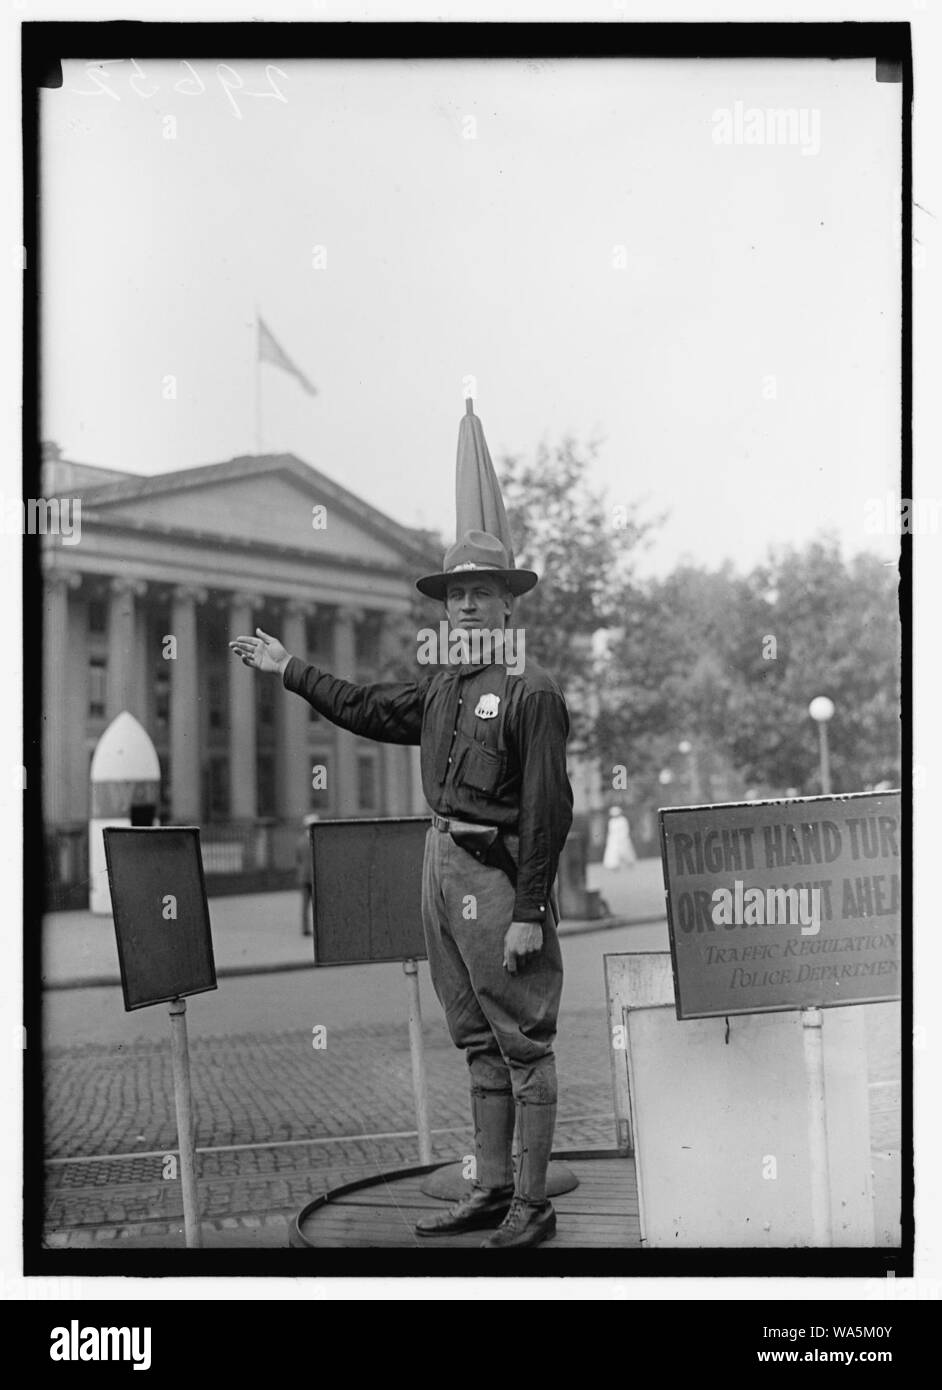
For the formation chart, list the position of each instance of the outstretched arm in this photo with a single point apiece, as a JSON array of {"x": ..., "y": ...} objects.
[{"x": 390, "y": 712}]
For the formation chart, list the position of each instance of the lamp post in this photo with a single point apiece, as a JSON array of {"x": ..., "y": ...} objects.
[
  {"x": 685, "y": 747},
  {"x": 821, "y": 710}
]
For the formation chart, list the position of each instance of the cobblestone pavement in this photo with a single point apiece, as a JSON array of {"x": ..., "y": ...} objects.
[{"x": 306, "y": 1109}]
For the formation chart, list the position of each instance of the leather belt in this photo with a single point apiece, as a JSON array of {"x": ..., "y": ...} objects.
[
  {"x": 483, "y": 842},
  {"x": 445, "y": 825}
]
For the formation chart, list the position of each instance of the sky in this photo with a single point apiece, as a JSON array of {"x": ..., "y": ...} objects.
[{"x": 572, "y": 242}]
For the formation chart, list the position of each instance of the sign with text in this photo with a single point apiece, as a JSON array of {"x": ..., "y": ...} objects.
[
  {"x": 161, "y": 916},
  {"x": 367, "y": 890},
  {"x": 783, "y": 904}
]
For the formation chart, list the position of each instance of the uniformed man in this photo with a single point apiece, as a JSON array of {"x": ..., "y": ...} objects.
[{"x": 493, "y": 756}]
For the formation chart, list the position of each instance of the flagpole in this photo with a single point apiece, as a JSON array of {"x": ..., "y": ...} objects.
[{"x": 258, "y": 383}]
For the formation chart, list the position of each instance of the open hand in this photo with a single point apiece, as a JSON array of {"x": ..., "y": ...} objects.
[
  {"x": 262, "y": 651},
  {"x": 523, "y": 939}
]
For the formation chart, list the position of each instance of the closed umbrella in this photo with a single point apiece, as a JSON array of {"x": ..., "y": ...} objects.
[{"x": 478, "y": 503}]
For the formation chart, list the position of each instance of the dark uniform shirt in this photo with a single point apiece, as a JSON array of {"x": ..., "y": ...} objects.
[{"x": 493, "y": 751}]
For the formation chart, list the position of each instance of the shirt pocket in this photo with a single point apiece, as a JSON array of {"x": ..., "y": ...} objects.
[{"x": 482, "y": 770}]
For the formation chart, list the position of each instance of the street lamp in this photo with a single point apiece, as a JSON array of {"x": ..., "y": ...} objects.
[
  {"x": 686, "y": 748},
  {"x": 821, "y": 710}
]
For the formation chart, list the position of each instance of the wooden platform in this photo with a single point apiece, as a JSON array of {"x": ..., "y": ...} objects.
[{"x": 601, "y": 1213}]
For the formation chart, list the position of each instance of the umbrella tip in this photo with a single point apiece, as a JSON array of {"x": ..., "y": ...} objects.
[{"x": 469, "y": 405}]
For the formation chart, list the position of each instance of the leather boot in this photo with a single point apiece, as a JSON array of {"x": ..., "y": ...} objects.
[
  {"x": 483, "y": 1207},
  {"x": 531, "y": 1218},
  {"x": 494, "y": 1115},
  {"x": 489, "y": 1199},
  {"x": 535, "y": 1127},
  {"x": 525, "y": 1224}
]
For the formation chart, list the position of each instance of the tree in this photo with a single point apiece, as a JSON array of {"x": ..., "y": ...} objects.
[
  {"x": 583, "y": 549},
  {"x": 836, "y": 627},
  {"x": 731, "y": 663}
]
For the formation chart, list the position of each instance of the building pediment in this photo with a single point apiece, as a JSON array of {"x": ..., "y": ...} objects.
[{"x": 265, "y": 502}]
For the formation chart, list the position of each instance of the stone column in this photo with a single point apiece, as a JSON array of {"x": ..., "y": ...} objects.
[
  {"x": 185, "y": 766},
  {"x": 142, "y": 685},
  {"x": 243, "y": 791},
  {"x": 293, "y": 792},
  {"x": 77, "y": 753},
  {"x": 345, "y": 744},
  {"x": 122, "y": 645},
  {"x": 57, "y": 734}
]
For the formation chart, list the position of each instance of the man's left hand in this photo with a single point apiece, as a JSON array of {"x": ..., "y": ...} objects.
[{"x": 523, "y": 939}]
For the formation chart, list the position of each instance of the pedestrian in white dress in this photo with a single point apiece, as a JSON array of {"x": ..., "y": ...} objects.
[{"x": 619, "y": 851}]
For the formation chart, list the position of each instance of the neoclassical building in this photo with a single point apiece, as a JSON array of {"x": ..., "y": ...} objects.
[{"x": 138, "y": 611}]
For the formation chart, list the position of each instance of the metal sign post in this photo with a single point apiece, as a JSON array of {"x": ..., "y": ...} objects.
[
  {"x": 183, "y": 1099},
  {"x": 165, "y": 951},
  {"x": 417, "y": 1049},
  {"x": 811, "y": 1032}
]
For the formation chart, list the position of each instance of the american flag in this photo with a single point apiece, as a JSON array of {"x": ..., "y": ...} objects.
[{"x": 269, "y": 350}]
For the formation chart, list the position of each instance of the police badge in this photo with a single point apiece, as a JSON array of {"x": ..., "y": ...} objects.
[{"x": 487, "y": 706}]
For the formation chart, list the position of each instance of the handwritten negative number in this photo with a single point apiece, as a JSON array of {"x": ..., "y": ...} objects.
[{"x": 191, "y": 86}]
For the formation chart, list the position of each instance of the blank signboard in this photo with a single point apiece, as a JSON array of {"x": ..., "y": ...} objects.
[
  {"x": 368, "y": 890},
  {"x": 161, "y": 916},
  {"x": 719, "y": 1115}
]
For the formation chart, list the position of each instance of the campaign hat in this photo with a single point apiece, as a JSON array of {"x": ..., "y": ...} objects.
[{"x": 477, "y": 550}]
